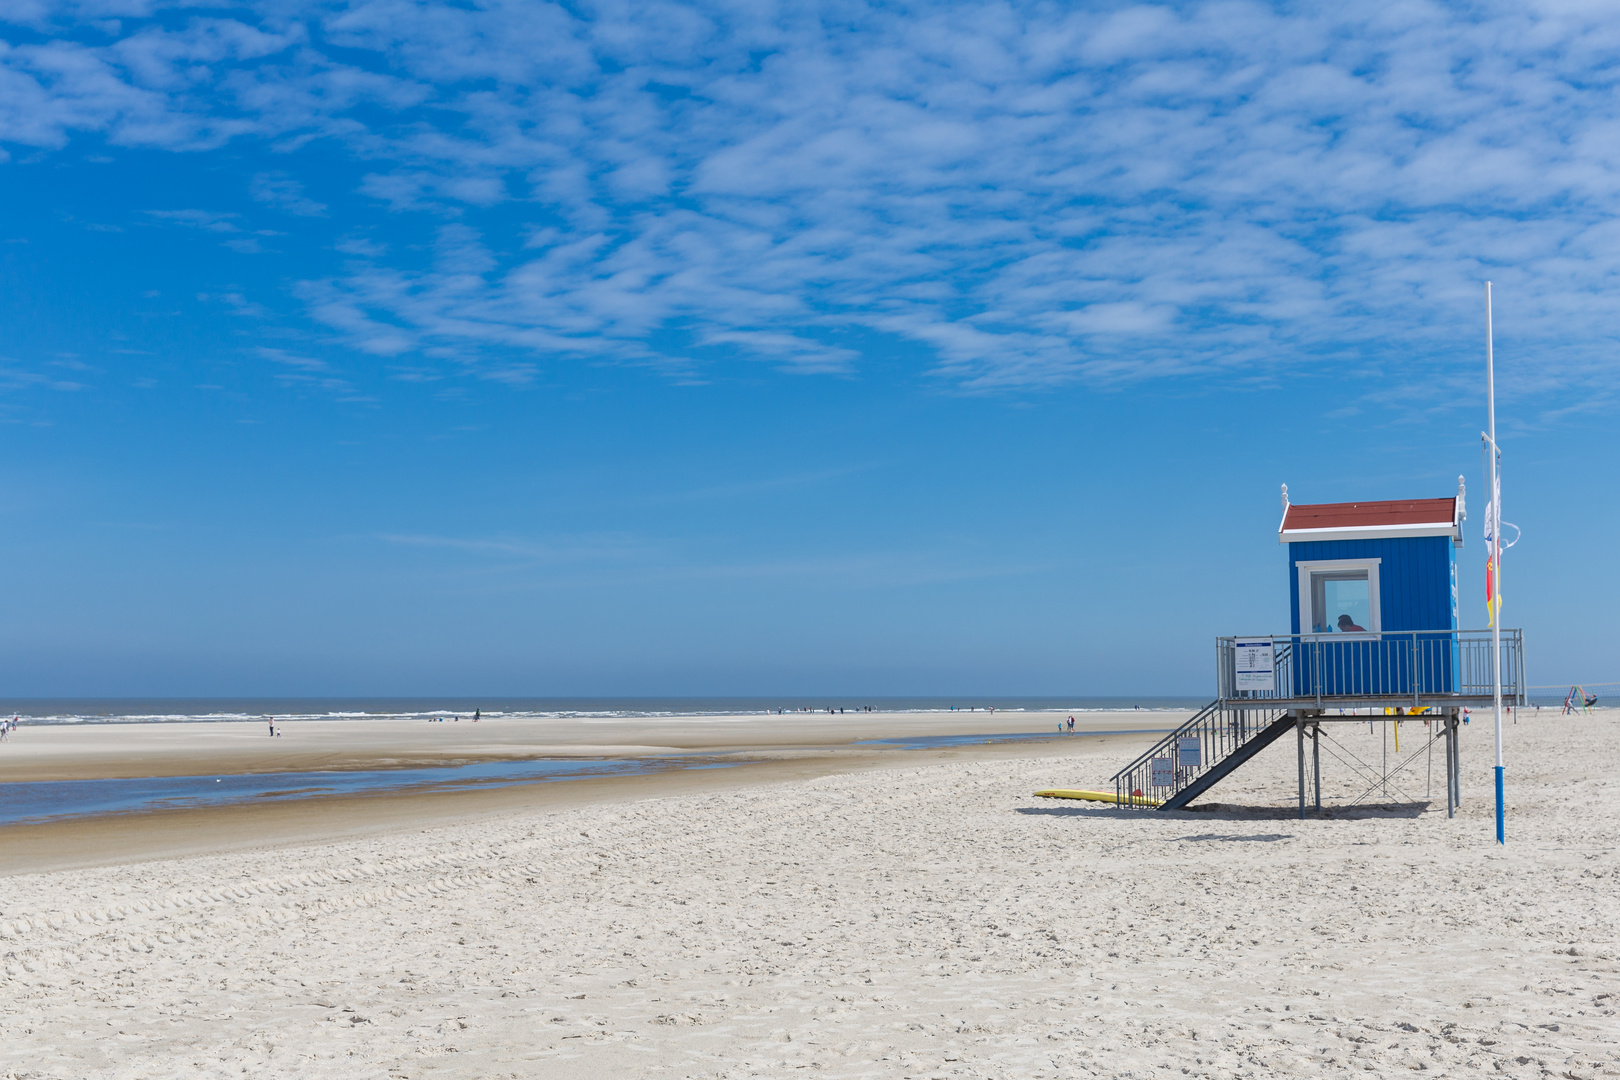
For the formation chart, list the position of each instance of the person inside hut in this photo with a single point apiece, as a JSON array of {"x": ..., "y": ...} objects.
[{"x": 1347, "y": 625}]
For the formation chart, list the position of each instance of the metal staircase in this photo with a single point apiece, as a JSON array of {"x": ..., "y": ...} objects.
[{"x": 1198, "y": 755}]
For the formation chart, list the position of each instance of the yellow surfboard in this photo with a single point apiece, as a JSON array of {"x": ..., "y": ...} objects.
[{"x": 1093, "y": 796}]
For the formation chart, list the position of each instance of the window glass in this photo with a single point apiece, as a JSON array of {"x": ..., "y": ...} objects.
[{"x": 1340, "y": 602}]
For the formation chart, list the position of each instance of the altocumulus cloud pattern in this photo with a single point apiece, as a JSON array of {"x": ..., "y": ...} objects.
[{"x": 1005, "y": 196}]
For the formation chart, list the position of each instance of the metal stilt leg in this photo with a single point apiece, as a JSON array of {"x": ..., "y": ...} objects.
[
  {"x": 1456, "y": 760},
  {"x": 1316, "y": 761},
  {"x": 1452, "y": 787},
  {"x": 1451, "y": 759},
  {"x": 1299, "y": 738}
]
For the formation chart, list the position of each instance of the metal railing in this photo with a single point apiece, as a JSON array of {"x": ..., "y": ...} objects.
[
  {"x": 1214, "y": 734},
  {"x": 1394, "y": 665}
]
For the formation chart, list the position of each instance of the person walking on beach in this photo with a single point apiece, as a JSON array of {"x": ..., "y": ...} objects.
[
  {"x": 1071, "y": 725},
  {"x": 272, "y": 721}
]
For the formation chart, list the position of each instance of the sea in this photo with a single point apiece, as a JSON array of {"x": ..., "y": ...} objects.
[{"x": 197, "y": 710}]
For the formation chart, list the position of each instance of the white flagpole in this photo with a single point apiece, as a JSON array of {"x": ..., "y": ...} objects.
[{"x": 1496, "y": 568}]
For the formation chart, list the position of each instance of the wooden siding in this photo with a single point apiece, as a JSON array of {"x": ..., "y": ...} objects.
[{"x": 1414, "y": 578}]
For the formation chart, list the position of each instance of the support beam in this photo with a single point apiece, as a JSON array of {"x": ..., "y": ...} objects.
[
  {"x": 1453, "y": 769},
  {"x": 1445, "y": 731},
  {"x": 1316, "y": 761},
  {"x": 1299, "y": 738},
  {"x": 1456, "y": 760}
]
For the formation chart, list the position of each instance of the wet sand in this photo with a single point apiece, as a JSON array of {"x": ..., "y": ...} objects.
[
  {"x": 756, "y": 749},
  {"x": 91, "y": 751}
]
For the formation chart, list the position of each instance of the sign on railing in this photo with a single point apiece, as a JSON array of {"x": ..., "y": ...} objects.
[{"x": 1256, "y": 665}]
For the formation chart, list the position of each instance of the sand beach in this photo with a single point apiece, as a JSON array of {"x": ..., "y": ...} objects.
[{"x": 863, "y": 916}]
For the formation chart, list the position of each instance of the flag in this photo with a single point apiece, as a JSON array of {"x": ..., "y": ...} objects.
[
  {"x": 1493, "y": 557},
  {"x": 1492, "y": 602}
]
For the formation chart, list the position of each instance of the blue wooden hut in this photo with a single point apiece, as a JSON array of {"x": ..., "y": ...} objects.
[
  {"x": 1362, "y": 578},
  {"x": 1372, "y": 590}
]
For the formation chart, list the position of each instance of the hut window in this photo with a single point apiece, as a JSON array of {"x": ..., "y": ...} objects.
[{"x": 1339, "y": 597}]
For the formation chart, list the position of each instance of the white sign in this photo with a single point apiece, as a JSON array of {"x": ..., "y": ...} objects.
[
  {"x": 1256, "y": 665},
  {"x": 1187, "y": 752},
  {"x": 1162, "y": 772}
]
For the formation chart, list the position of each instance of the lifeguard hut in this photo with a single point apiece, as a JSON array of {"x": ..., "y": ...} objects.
[{"x": 1372, "y": 590}]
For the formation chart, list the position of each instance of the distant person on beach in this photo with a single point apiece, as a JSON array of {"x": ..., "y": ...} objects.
[
  {"x": 272, "y": 722},
  {"x": 478, "y": 714},
  {"x": 1347, "y": 625},
  {"x": 1071, "y": 725}
]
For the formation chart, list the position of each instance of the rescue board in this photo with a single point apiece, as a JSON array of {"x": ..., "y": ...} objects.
[{"x": 1093, "y": 796}]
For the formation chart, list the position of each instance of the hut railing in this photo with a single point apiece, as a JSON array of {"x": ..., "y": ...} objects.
[{"x": 1392, "y": 665}]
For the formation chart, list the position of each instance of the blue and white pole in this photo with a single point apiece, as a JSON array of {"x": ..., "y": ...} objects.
[{"x": 1493, "y": 512}]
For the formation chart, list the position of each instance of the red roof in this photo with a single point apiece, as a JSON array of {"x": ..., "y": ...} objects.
[{"x": 1359, "y": 515}]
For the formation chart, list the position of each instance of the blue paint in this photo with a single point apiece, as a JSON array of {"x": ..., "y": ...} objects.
[
  {"x": 1416, "y": 576},
  {"x": 1501, "y": 810},
  {"x": 1417, "y": 586}
]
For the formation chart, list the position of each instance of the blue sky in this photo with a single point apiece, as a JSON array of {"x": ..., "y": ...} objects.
[{"x": 678, "y": 348}]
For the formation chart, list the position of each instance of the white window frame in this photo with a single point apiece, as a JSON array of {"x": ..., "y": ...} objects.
[{"x": 1375, "y": 597}]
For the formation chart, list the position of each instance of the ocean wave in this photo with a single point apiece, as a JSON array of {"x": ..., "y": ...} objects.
[{"x": 39, "y": 712}]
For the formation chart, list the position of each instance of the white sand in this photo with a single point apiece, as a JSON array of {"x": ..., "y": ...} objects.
[{"x": 933, "y": 921}]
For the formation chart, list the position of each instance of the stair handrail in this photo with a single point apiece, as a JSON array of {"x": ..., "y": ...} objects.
[
  {"x": 1169, "y": 740},
  {"x": 1217, "y": 744}
]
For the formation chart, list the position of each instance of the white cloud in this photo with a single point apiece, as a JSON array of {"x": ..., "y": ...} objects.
[
  {"x": 236, "y": 302},
  {"x": 788, "y": 350},
  {"x": 210, "y": 220},
  {"x": 285, "y": 193},
  {"x": 1032, "y": 194},
  {"x": 309, "y": 373}
]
